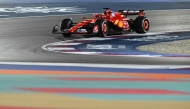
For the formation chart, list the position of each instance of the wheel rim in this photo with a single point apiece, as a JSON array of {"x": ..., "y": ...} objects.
[
  {"x": 104, "y": 28},
  {"x": 146, "y": 25}
]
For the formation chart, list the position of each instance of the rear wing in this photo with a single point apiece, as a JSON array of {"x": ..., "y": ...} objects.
[{"x": 129, "y": 12}]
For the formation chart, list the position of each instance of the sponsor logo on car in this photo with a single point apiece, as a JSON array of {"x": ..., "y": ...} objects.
[
  {"x": 95, "y": 30},
  {"x": 81, "y": 30}
]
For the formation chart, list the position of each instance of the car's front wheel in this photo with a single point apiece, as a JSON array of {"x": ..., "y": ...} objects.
[
  {"x": 66, "y": 24},
  {"x": 102, "y": 27}
]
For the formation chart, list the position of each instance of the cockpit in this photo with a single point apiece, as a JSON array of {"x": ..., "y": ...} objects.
[{"x": 108, "y": 12}]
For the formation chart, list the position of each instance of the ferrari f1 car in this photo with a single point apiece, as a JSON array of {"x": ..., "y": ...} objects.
[{"x": 106, "y": 23}]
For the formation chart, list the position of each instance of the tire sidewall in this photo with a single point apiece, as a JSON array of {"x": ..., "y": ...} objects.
[
  {"x": 145, "y": 19},
  {"x": 139, "y": 24},
  {"x": 66, "y": 24},
  {"x": 100, "y": 24}
]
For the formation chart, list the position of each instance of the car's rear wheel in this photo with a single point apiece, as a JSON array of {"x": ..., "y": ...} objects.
[
  {"x": 141, "y": 24},
  {"x": 102, "y": 27},
  {"x": 66, "y": 24}
]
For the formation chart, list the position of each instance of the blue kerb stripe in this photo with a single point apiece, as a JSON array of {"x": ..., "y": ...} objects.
[{"x": 91, "y": 69}]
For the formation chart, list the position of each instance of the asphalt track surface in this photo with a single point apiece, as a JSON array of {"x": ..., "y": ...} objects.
[{"x": 22, "y": 38}]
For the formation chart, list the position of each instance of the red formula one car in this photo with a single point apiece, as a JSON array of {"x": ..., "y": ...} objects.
[{"x": 103, "y": 24}]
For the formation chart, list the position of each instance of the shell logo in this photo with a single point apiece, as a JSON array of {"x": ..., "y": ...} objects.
[{"x": 120, "y": 24}]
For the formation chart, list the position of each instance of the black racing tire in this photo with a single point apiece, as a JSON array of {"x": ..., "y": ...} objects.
[
  {"x": 66, "y": 24},
  {"x": 141, "y": 24},
  {"x": 102, "y": 28}
]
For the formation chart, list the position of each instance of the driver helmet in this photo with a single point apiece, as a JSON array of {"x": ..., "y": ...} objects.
[{"x": 109, "y": 13}]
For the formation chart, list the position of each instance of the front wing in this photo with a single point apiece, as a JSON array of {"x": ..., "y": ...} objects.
[{"x": 78, "y": 31}]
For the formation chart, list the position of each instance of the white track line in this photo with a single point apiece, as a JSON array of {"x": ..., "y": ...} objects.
[
  {"x": 3, "y": 15},
  {"x": 130, "y": 66},
  {"x": 64, "y": 43},
  {"x": 59, "y": 48}
]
